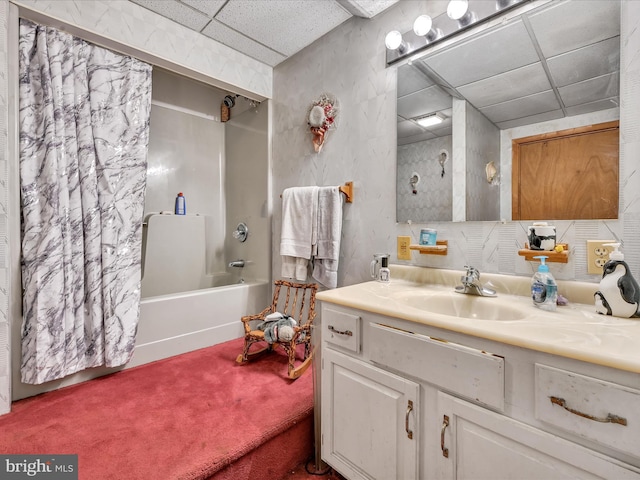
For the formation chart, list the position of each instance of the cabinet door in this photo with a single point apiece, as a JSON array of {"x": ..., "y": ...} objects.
[
  {"x": 369, "y": 420},
  {"x": 476, "y": 443}
]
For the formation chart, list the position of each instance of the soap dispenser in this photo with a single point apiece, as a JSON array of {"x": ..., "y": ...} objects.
[
  {"x": 619, "y": 294},
  {"x": 544, "y": 290}
]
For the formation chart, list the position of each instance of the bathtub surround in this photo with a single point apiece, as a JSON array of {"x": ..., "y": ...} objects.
[
  {"x": 84, "y": 132},
  {"x": 193, "y": 416}
]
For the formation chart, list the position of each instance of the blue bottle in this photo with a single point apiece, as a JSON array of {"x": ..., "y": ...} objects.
[{"x": 181, "y": 205}]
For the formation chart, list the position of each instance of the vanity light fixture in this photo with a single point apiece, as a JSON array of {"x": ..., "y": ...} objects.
[
  {"x": 423, "y": 27},
  {"x": 393, "y": 41},
  {"x": 459, "y": 10},
  {"x": 427, "y": 30},
  {"x": 430, "y": 120}
]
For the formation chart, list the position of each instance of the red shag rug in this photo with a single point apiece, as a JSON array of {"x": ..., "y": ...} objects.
[{"x": 193, "y": 416}]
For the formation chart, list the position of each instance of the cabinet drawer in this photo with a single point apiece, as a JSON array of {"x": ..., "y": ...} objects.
[
  {"x": 591, "y": 408},
  {"x": 342, "y": 329},
  {"x": 471, "y": 373}
]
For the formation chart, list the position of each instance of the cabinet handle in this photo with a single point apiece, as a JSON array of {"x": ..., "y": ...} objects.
[
  {"x": 406, "y": 419},
  {"x": 610, "y": 418},
  {"x": 348, "y": 333},
  {"x": 445, "y": 424}
]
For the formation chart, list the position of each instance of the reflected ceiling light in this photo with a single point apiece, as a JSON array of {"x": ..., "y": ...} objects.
[
  {"x": 394, "y": 41},
  {"x": 430, "y": 120},
  {"x": 459, "y": 10},
  {"x": 423, "y": 27}
]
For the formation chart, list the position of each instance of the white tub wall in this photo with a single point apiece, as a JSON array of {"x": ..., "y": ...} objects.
[{"x": 247, "y": 189}]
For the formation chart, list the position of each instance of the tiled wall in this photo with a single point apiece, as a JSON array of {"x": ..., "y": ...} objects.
[{"x": 350, "y": 63}]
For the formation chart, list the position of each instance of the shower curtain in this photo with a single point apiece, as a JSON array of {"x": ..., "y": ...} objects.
[{"x": 84, "y": 130}]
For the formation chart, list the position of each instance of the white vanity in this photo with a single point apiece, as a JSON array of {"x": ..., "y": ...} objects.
[{"x": 420, "y": 382}]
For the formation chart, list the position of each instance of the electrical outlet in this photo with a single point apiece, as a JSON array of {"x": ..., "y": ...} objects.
[
  {"x": 597, "y": 255},
  {"x": 404, "y": 253}
]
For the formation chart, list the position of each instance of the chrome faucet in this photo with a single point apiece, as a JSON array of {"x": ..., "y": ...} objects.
[
  {"x": 237, "y": 263},
  {"x": 471, "y": 284}
]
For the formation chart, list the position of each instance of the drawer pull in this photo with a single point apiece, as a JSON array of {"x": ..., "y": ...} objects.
[
  {"x": 610, "y": 418},
  {"x": 406, "y": 419},
  {"x": 445, "y": 424},
  {"x": 348, "y": 333}
]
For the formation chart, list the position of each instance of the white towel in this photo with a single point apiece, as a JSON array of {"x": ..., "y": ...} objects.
[
  {"x": 299, "y": 224},
  {"x": 325, "y": 263}
]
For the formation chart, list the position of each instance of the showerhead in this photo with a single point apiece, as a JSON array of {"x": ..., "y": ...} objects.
[{"x": 229, "y": 101}]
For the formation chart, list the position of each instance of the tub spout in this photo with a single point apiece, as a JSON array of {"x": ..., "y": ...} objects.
[{"x": 237, "y": 263}]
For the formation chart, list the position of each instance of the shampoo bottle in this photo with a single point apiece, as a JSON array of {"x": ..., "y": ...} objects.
[
  {"x": 544, "y": 290},
  {"x": 181, "y": 205},
  {"x": 619, "y": 294}
]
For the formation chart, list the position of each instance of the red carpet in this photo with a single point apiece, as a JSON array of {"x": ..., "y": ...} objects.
[{"x": 186, "y": 417}]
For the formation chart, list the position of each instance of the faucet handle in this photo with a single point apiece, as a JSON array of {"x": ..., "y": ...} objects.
[{"x": 472, "y": 271}]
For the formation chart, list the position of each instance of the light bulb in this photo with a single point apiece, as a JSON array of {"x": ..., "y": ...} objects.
[
  {"x": 422, "y": 25},
  {"x": 457, "y": 9},
  {"x": 393, "y": 40}
]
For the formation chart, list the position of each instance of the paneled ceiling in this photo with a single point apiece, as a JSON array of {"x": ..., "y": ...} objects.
[
  {"x": 268, "y": 30},
  {"x": 557, "y": 61}
]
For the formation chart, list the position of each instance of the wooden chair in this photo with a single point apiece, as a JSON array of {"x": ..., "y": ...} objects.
[{"x": 297, "y": 300}]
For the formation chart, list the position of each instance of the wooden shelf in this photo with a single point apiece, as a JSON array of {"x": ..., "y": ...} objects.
[
  {"x": 440, "y": 248},
  {"x": 557, "y": 257}
]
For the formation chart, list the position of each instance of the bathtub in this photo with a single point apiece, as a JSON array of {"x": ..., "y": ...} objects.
[{"x": 179, "y": 323}]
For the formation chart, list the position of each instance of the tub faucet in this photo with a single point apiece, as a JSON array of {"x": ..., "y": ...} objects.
[
  {"x": 237, "y": 263},
  {"x": 471, "y": 284}
]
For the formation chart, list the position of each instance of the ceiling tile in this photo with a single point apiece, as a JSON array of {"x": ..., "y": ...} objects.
[
  {"x": 411, "y": 79},
  {"x": 521, "y": 107},
  {"x": 566, "y": 26},
  {"x": 423, "y": 102},
  {"x": 285, "y": 26},
  {"x": 210, "y": 7},
  {"x": 540, "y": 117},
  {"x": 366, "y": 8},
  {"x": 507, "y": 86},
  {"x": 591, "y": 90},
  {"x": 233, "y": 39},
  {"x": 495, "y": 52},
  {"x": 591, "y": 61},
  {"x": 594, "y": 106},
  {"x": 407, "y": 128},
  {"x": 178, "y": 12}
]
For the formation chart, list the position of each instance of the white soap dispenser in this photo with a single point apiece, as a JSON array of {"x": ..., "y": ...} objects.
[
  {"x": 544, "y": 290},
  {"x": 619, "y": 294}
]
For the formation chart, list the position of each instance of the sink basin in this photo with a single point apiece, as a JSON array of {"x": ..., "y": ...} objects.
[{"x": 461, "y": 305}]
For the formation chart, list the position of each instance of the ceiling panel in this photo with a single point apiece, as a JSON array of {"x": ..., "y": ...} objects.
[
  {"x": 578, "y": 65},
  {"x": 540, "y": 117},
  {"x": 591, "y": 90},
  {"x": 423, "y": 102},
  {"x": 285, "y": 26},
  {"x": 590, "y": 21},
  {"x": 268, "y": 30},
  {"x": 501, "y": 50},
  {"x": 411, "y": 79},
  {"x": 522, "y": 107},
  {"x": 507, "y": 86}
]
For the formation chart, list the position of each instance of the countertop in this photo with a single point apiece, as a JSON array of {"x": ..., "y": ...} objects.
[{"x": 574, "y": 331}]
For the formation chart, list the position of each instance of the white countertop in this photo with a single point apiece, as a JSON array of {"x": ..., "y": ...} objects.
[{"x": 574, "y": 331}]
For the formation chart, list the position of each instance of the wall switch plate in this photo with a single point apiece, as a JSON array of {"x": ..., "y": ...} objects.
[
  {"x": 597, "y": 255},
  {"x": 404, "y": 252}
]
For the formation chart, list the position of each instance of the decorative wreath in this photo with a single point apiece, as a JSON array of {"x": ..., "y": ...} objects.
[{"x": 322, "y": 117}]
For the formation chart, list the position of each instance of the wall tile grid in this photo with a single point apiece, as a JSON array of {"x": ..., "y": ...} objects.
[{"x": 350, "y": 63}]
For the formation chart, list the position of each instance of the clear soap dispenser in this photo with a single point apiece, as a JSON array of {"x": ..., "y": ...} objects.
[
  {"x": 619, "y": 294},
  {"x": 544, "y": 290}
]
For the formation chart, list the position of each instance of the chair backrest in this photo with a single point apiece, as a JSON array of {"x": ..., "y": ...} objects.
[{"x": 295, "y": 299}]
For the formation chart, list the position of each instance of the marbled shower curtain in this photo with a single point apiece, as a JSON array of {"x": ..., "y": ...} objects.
[{"x": 84, "y": 130}]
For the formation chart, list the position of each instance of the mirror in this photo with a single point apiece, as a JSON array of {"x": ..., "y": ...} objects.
[{"x": 553, "y": 67}]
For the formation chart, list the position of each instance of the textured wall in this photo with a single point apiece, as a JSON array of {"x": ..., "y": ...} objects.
[
  {"x": 350, "y": 63},
  {"x": 432, "y": 201},
  {"x": 5, "y": 377}
]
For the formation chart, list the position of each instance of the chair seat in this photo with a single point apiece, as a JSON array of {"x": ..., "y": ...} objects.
[{"x": 298, "y": 302}]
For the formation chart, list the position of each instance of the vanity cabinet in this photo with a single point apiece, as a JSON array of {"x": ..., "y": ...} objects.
[{"x": 406, "y": 400}]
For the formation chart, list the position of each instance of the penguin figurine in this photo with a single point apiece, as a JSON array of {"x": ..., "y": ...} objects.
[{"x": 619, "y": 293}]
